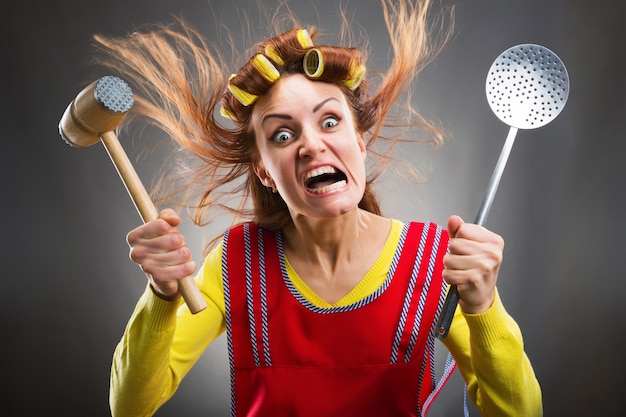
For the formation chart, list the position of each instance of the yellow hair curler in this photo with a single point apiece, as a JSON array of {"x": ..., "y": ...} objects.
[
  {"x": 273, "y": 55},
  {"x": 265, "y": 68},
  {"x": 304, "y": 39},
  {"x": 356, "y": 76},
  {"x": 242, "y": 96},
  {"x": 313, "y": 63}
]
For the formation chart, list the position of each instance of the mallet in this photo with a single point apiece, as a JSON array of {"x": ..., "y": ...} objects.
[{"x": 92, "y": 117}]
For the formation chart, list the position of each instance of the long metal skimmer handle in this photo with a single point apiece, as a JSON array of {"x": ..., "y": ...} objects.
[{"x": 452, "y": 298}]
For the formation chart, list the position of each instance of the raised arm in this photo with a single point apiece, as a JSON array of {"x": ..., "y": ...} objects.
[{"x": 484, "y": 339}]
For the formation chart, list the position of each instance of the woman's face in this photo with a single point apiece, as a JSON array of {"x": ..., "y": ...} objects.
[{"x": 309, "y": 147}]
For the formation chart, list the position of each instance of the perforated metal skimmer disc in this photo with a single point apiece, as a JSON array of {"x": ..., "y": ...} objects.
[
  {"x": 527, "y": 86},
  {"x": 114, "y": 94}
]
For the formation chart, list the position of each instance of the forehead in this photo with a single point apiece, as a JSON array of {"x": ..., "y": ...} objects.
[{"x": 296, "y": 92}]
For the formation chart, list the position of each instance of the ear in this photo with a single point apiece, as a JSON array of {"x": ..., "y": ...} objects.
[{"x": 263, "y": 175}]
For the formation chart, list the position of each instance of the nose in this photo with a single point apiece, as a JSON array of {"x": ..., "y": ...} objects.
[{"x": 312, "y": 143}]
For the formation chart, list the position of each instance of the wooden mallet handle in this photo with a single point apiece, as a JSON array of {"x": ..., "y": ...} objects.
[{"x": 92, "y": 117}]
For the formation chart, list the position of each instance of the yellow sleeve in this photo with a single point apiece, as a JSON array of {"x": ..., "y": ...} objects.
[
  {"x": 489, "y": 352},
  {"x": 161, "y": 343}
]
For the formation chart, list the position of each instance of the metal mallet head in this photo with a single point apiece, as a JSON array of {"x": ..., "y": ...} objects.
[
  {"x": 92, "y": 117},
  {"x": 97, "y": 109}
]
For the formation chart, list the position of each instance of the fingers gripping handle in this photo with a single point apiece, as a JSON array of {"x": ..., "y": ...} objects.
[{"x": 187, "y": 286}]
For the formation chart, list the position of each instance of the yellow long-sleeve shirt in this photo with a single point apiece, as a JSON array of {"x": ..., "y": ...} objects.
[{"x": 163, "y": 340}]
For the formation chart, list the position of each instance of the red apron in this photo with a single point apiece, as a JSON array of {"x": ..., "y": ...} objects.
[{"x": 289, "y": 357}]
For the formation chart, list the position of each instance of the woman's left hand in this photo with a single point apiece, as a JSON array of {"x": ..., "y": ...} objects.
[{"x": 472, "y": 264}]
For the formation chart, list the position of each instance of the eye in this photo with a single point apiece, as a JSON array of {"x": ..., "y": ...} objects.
[
  {"x": 329, "y": 122},
  {"x": 281, "y": 136}
]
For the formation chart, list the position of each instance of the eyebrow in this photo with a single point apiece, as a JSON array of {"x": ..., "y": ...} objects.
[
  {"x": 287, "y": 117},
  {"x": 319, "y": 106}
]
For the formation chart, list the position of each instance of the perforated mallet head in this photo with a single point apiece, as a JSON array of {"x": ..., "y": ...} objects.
[{"x": 99, "y": 108}]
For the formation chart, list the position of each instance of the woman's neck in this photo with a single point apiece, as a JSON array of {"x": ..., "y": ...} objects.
[{"x": 333, "y": 244}]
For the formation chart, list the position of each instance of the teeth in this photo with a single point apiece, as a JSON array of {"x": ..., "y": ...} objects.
[
  {"x": 320, "y": 171},
  {"x": 334, "y": 186}
]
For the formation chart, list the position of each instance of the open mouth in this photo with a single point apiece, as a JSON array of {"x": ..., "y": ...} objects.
[{"x": 324, "y": 179}]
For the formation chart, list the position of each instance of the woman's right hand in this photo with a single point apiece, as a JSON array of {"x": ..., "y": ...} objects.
[{"x": 160, "y": 250}]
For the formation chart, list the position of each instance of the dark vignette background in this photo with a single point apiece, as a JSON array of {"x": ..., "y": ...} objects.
[{"x": 68, "y": 286}]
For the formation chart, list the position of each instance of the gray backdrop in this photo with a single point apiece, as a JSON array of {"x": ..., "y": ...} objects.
[{"x": 68, "y": 286}]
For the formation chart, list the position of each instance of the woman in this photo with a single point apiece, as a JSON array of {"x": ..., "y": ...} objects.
[{"x": 328, "y": 306}]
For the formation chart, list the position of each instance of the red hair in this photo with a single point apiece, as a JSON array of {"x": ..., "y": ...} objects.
[{"x": 182, "y": 86}]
